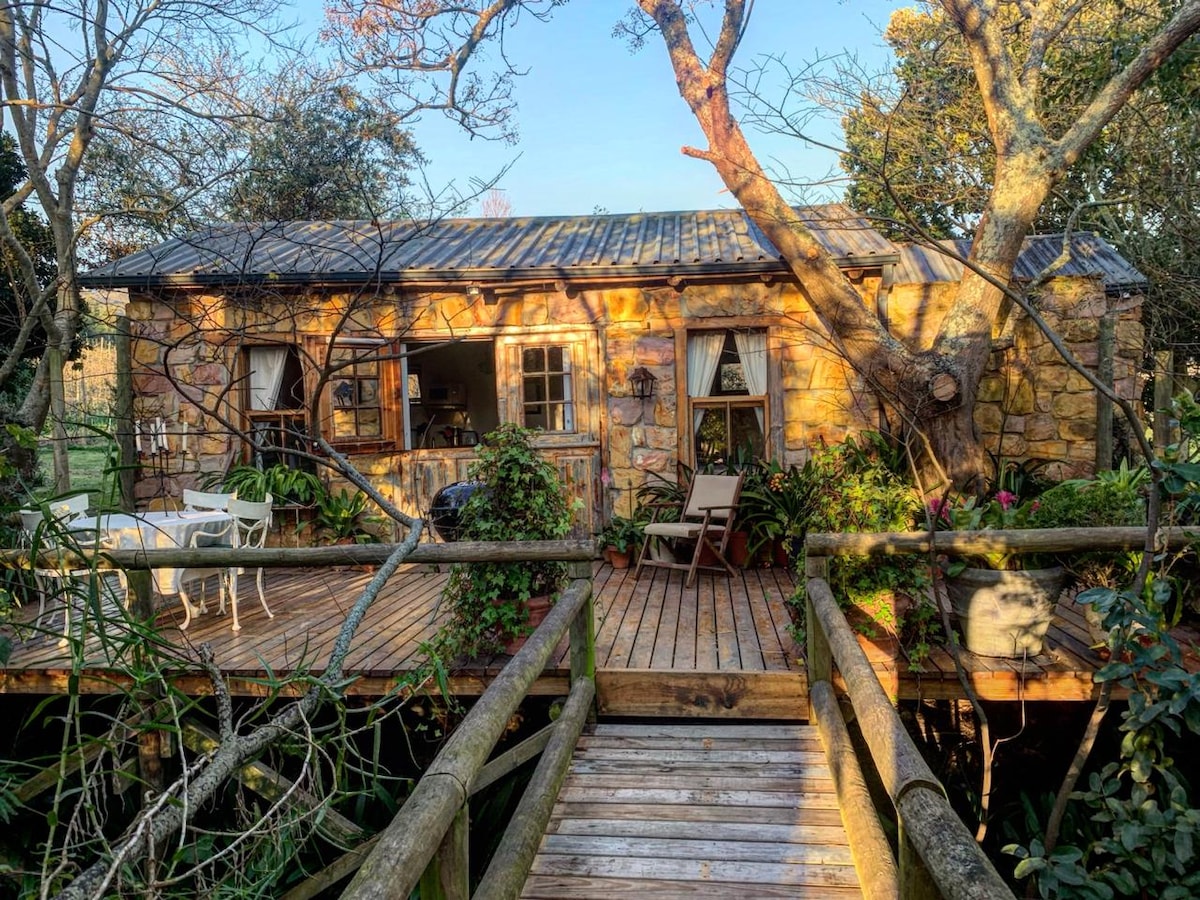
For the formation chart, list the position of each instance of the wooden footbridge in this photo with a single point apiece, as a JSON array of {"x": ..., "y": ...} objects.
[{"x": 694, "y": 755}]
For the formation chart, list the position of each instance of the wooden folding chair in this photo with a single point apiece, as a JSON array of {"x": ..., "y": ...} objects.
[{"x": 705, "y": 518}]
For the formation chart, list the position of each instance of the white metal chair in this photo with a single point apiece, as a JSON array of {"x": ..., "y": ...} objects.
[
  {"x": 705, "y": 517},
  {"x": 252, "y": 521},
  {"x": 223, "y": 537},
  {"x": 194, "y": 500},
  {"x": 41, "y": 534}
]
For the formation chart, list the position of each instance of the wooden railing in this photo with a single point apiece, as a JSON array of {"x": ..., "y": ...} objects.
[
  {"x": 426, "y": 843},
  {"x": 938, "y": 856}
]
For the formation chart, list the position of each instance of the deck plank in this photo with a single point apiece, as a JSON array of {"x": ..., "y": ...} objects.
[
  {"x": 721, "y": 647},
  {"x": 662, "y": 824}
]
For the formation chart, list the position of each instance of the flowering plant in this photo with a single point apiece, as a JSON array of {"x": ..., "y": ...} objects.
[{"x": 1002, "y": 510}]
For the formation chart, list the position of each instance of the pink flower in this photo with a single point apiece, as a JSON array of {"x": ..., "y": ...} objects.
[
  {"x": 939, "y": 508},
  {"x": 1006, "y": 499}
]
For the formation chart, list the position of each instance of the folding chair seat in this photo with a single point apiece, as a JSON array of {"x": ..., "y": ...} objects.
[{"x": 704, "y": 521}]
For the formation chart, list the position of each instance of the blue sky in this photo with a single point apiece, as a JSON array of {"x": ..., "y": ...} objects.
[{"x": 602, "y": 127}]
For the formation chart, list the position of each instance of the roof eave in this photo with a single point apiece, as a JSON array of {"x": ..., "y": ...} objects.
[{"x": 459, "y": 276}]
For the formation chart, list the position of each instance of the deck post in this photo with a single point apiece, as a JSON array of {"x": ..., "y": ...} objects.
[
  {"x": 583, "y": 628},
  {"x": 819, "y": 659},
  {"x": 447, "y": 877}
]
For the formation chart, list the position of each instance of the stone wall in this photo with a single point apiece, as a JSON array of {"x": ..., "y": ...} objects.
[{"x": 1031, "y": 404}]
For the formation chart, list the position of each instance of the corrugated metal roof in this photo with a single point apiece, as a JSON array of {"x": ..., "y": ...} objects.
[
  {"x": 704, "y": 242},
  {"x": 1090, "y": 255}
]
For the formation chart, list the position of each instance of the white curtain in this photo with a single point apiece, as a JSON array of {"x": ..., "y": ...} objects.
[
  {"x": 752, "y": 350},
  {"x": 703, "y": 357},
  {"x": 266, "y": 375},
  {"x": 568, "y": 391}
]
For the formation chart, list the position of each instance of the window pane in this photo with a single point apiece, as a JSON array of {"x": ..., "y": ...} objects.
[
  {"x": 343, "y": 423},
  {"x": 557, "y": 360},
  {"x": 368, "y": 391},
  {"x": 557, "y": 415},
  {"x": 558, "y": 387},
  {"x": 533, "y": 359},
  {"x": 711, "y": 437},
  {"x": 747, "y": 437},
  {"x": 535, "y": 390},
  {"x": 368, "y": 423}
]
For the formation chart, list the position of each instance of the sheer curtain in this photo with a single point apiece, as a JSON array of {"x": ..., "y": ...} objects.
[
  {"x": 752, "y": 350},
  {"x": 266, "y": 375},
  {"x": 703, "y": 357}
]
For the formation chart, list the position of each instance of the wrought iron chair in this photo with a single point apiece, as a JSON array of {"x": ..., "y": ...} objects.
[
  {"x": 704, "y": 522},
  {"x": 194, "y": 500},
  {"x": 41, "y": 532},
  {"x": 251, "y": 523}
]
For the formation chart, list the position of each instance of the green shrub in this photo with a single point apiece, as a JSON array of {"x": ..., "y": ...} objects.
[
  {"x": 1092, "y": 504},
  {"x": 856, "y": 489},
  {"x": 523, "y": 500}
]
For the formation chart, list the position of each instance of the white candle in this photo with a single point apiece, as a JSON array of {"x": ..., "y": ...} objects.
[
  {"x": 153, "y": 440},
  {"x": 162, "y": 436},
  {"x": 137, "y": 436},
  {"x": 183, "y": 447}
]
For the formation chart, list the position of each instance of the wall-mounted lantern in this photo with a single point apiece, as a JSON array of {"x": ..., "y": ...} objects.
[{"x": 641, "y": 383}]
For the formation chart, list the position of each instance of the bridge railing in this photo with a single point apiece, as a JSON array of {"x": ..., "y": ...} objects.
[
  {"x": 938, "y": 856},
  {"x": 426, "y": 843}
]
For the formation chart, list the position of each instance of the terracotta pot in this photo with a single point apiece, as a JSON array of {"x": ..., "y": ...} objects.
[
  {"x": 1003, "y": 613},
  {"x": 539, "y": 607},
  {"x": 784, "y": 552},
  {"x": 738, "y": 549},
  {"x": 616, "y": 558}
]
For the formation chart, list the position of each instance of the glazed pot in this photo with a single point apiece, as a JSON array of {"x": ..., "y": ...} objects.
[{"x": 1005, "y": 613}]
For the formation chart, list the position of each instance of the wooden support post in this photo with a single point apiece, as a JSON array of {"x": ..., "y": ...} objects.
[
  {"x": 127, "y": 453},
  {"x": 506, "y": 873},
  {"x": 1104, "y": 407},
  {"x": 1164, "y": 390},
  {"x": 818, "y": 661},
  {"x": 447, "y": 877},
  {"x": 583, "y": 628}
]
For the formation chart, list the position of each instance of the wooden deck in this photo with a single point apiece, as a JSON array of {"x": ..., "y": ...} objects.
[
  {"x": 696, "y": 811},
  {"x": 719, "y": 648}
]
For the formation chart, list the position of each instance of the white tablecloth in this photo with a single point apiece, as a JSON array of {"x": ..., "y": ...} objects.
[{"x": 155, "y": 531}]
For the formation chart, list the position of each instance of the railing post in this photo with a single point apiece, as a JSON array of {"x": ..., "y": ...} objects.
[
  {"x": 447, "y": 877},
  {"x": 583, "y": 628},
  {"x": 819, "y": 660}
]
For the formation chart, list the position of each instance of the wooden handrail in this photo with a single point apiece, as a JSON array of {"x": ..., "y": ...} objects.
[
  {"x": 1016, "y": 540},
  {"x": 407, "y": 846},
  {"x": 953, "y": 859},
  {"x": 297, "y": 557},
  {"x": 938, "y": 855}
]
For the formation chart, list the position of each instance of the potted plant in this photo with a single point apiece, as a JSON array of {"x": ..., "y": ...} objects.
[
  {"x": 775, "y": 509},
  {"x": 1111, "y": 499},
  {"x": 1004, "y": 601},
  {"x": 621, "y": 538},
  {"x": 496, "y": 605},
  {"x": 344, "y": 518},
  {"x": 287, "y": 485}
]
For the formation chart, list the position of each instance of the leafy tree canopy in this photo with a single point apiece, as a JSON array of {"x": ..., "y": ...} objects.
[
  {"x": 921, "y": 157},
  {"x": 328, "y": 154}
]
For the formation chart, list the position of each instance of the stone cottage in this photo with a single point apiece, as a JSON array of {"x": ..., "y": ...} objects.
[{"x": 410, "y": 340}]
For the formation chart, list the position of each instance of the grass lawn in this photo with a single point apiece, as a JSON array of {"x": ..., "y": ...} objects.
[{"x": 87, "y": 463}]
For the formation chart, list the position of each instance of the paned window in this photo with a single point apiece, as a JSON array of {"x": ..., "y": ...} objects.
[
  {"x": 727, "y": 395},
  {"x": 547, "y": 388},
  {"x": 354, "y": 392}
]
